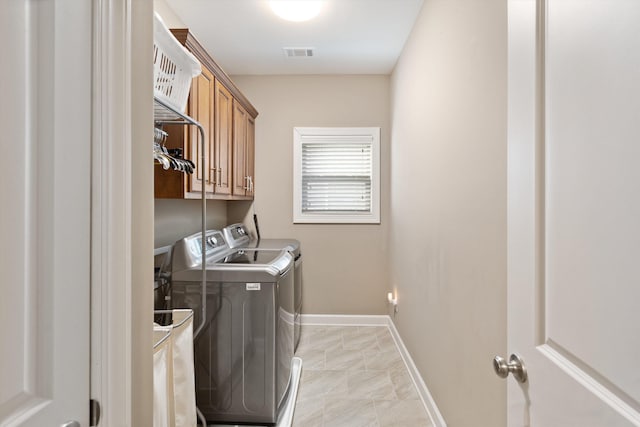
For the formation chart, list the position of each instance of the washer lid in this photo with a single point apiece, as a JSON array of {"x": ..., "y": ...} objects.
[
  {"x": 276, "y": 263},
  {"x": 291, "y": 245},
  {"x": 251, "y": 256},
  {"x": 240, "y": 267}
]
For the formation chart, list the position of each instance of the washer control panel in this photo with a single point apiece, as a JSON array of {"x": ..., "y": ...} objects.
[
  {"x": 236, "y": 235},
  {"x": 187, "y": 252}
]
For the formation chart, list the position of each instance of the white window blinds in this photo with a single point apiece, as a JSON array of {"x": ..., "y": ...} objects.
[{"x": 336, "y": 175}]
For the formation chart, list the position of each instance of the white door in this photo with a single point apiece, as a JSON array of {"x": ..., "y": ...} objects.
[
  {"x": 45, "y": 94},
  {"x": 574, "y": 212}
]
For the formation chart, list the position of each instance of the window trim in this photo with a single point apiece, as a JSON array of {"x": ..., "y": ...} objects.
[{"x": 300, "y": 217}]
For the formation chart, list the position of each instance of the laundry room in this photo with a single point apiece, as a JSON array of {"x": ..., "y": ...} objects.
[{"x": 359, "y": 274}]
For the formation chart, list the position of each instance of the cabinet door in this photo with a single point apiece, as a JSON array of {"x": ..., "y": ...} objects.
[
  {"x": 240, "y": 177},
  {"x": 201, "y": 109},
  {"x": 250, "y": 154},
  {"x": 223, "y": 138}
]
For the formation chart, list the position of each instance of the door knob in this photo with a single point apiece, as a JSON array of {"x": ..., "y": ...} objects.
[{"x": 514, "y": 366}]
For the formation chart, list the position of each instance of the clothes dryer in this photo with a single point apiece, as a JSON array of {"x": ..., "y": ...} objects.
[{"x": 238, "y": 236}]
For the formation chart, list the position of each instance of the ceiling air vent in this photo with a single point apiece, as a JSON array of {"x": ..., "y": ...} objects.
[{"x": 298, "y": 52}]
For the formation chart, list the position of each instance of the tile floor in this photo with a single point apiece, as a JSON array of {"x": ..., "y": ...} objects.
[{"x": 354, "y": 376}]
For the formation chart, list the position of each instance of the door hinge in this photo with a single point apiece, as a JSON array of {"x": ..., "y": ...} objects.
[{"x": 94, "y": 412}]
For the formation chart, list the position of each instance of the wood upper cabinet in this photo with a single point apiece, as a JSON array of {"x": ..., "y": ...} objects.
[
  {"x": 223, "y": 138},
  {"x": 240, "y": 181},
  {"x": 243, "y": 151},
  {"x": 201, "y": 108},
  {"x": 228, "y": 119}
]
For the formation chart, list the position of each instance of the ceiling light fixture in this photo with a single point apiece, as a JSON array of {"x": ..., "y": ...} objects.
[{"x": 296, "y": 10}]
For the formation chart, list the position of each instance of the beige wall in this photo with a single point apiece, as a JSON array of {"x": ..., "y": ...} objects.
[
  {"x": 345, "y": 266},
  {"x": 448, "y": 204},
  {"x": 175, "y": 219}
]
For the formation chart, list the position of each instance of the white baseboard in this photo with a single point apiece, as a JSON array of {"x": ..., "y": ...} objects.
[
  {"x": 425, "y": 395},
  {"x": 383, "y": 320},
  {"x": 344, "y": 320}
]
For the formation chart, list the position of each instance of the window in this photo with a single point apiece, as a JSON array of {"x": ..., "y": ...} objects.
[{"x": 336, "y": 175}]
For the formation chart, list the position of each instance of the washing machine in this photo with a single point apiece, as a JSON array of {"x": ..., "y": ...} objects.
[{"x": 244, "y": 349}]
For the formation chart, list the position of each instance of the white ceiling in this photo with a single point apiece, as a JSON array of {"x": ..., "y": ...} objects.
[{"x": 349, "y": 36}]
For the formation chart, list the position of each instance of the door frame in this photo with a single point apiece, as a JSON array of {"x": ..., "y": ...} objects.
[{"x": 121, "y": 206}]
